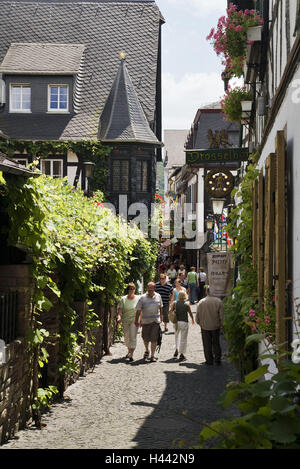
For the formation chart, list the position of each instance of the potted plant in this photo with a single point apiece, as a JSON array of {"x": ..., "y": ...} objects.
[
  {"x": 232, "y": 103},
  {"x": 230, "y": 39}
]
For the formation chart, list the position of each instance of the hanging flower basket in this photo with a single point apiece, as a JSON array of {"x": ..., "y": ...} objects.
[
  {"x": 232, "y": 103},
  {"x": 246, "y": 106},
  {"x": 230, "y": 39}
]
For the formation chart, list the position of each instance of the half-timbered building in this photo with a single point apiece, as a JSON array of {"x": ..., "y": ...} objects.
[
  {"x": 62, "y": 79},
  {"x": 272, "y": 71}
]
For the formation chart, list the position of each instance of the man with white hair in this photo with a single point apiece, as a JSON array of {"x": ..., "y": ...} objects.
[
  {"x": 149, "y": 309},
  {"x": 210, "y": 317}
]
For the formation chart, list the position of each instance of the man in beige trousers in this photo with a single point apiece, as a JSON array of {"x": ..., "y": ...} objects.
[{"x": 210, "y": 317}]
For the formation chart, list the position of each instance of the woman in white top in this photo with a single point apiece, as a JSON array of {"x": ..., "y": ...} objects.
[
  {"x": 182, "y": 270},
  {"x": 126, "y": 314},
  {"x": 172, "y": 273}
]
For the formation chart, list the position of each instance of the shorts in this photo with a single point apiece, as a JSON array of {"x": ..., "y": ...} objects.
[
  {"x": 150, "y": 332},
  {"x": 166, "y": 313}
]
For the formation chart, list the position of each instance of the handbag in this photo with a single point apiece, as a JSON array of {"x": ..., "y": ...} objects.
[
  {"x": 159, "y": 340},
  {"x": 172, "y": 316}
]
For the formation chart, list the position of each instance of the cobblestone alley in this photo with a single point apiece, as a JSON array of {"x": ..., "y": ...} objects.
[{"x": 134, "y": 405}]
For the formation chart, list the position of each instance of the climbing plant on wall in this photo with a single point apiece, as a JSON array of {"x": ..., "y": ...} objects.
[
  {"x": 78, "y": 248},
  {"x": 244, "y": 295},
  {"x": 86, "y": 150}
]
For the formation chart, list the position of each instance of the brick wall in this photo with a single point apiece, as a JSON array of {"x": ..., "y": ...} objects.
[
  {"x": 15, "y": 374},
  {"x": 15, "y": 380}
]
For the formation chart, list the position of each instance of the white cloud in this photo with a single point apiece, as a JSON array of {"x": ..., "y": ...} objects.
[
  {"x": 182, "y": 99},
  {"x": 200, "y": 8}
]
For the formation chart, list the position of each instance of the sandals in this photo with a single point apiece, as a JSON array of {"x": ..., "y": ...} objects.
[
  {"x": 153, "y": 359},
  {"x": 146, "y": 355}
]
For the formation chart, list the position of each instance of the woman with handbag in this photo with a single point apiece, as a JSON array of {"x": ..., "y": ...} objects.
[
  {"x": 181, "y": 310},
  {"x": 126, "y": 315}
]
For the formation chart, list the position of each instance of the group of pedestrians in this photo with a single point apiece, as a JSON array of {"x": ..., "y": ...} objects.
[{"x": 158, "y": 304}]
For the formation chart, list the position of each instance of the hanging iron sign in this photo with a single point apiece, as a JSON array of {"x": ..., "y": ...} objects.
[
  {"x": 219, "y": 183},
  {"x": 219, "y": 155}
]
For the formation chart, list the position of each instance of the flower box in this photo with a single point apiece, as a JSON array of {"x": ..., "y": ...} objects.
[
  {"x": 246, "y": 106},
  {"x": 254, "y": 34}
]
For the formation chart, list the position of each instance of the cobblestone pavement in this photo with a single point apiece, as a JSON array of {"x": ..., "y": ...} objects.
[{"x": 137, "y": 405}]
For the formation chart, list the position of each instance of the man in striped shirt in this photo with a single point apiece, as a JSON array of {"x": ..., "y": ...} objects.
[{"x": 166, "y": 292}]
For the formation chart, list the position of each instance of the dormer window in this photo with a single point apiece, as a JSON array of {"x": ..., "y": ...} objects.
[
  {"x": 58, "y": 98},
  {"x": 20, "y": 98}
]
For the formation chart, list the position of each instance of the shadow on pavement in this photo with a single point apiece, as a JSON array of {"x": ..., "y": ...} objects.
[{"x": 188, "y": 401}]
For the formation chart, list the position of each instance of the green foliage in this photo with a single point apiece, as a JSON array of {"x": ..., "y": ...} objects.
[
  {"x": 86, "y": 150},
  {"x": 79, "y": 249},
  {"x": 244, "y": 295},
  {"x": 231, "y": 103},
  {"x": 43, "y": 398},
  {"x": 270, "y": 412}
]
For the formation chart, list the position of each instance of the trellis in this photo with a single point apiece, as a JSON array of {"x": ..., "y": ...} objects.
[{"x": 269, "y": 234}]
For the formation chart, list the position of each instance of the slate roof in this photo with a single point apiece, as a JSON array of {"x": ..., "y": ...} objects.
[
  {"x": 42, "y": 58},
  {"x": 104, "y": 28},
  {"x": 210, "y": 118},
  {"x": 7, "y": 165},
  {"x": 123, "y": 118}
]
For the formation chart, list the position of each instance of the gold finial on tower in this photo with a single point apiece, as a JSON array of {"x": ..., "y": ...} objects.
[{"x": 122, "y": 55}]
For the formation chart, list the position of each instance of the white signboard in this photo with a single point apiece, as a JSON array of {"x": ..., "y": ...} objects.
[
  {"x": 2, "y": 352},
  {"x": 220, "y": 273}
]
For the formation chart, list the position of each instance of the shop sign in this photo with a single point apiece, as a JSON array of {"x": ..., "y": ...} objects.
[
  {"x": 220, "y": 155},
  {"x": 220, "y": 273}
]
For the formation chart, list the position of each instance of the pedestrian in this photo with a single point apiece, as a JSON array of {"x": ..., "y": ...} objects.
[
  {"x": 172, "y": 273},
  {"x": 192, "y": 285},
  {"x": 126, "y": 315},
  {"x": 182, "y": 278},
  {"x": 178, "y": 288},
  {"x": 182, "y": 309},
  {"x": 210, "y": 317},
  {"x": 181, "y": 270},
  {"x": 165, "y": 290},
  {"x": 201, "y": 283},
  {"x": 149, "y": 315},
  {"x": 162, "y": 268}
]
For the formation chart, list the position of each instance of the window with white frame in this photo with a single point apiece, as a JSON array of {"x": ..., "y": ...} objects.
[
  {"x": 53, "y": 168},
  {"x": 58, "y": 98},
  {"x": 20, "y": 98}
]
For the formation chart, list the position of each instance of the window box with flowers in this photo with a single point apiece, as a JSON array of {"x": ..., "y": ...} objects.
[
  {"x": 230, "y": 38},
  {"x": 232, "y": 103},
  {"x": 254, "y": 38}
]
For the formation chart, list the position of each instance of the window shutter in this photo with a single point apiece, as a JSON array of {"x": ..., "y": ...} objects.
[
  {"x": 269, "y": 223},
  {"x": 254, "y": 222},
  {"x": 260, "y": 237},
  {"x": 280, "y": 236}
]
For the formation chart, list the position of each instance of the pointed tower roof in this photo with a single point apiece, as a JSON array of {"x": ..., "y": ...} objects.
[{"x": 123, "y": 119}]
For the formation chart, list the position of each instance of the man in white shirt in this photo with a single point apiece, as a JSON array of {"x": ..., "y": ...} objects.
[{"x": 150, "y": 310}]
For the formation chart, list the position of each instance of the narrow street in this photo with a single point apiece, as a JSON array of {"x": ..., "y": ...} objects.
[{"x": 137, "y": 405}]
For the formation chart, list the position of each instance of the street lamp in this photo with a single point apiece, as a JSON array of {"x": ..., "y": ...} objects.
[
  {"x": 88, "y": 167},
  {"x": 209, "y": 224},
  {"x": 218, "y": 206}
]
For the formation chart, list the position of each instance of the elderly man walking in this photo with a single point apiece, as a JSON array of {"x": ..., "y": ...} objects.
[
  {"x": 210, "y": 317},
  {"x": 149, "y": 308}
]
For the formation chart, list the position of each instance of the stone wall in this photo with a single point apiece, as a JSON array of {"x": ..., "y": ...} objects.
[
  {"x": 15, "y": 390},
  {"x": 15, "y": 377}
]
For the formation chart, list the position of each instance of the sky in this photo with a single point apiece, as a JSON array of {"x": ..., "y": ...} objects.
[{"x": 191, "y": 70}]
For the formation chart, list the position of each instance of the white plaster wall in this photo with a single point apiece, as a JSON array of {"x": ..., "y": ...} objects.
[{"x": 288, "y": 119}]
